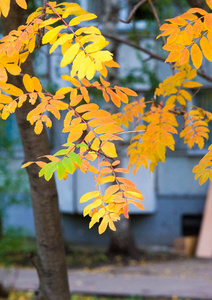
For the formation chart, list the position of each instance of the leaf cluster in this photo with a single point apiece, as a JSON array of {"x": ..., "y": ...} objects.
[{"x": 92, "y": 131}]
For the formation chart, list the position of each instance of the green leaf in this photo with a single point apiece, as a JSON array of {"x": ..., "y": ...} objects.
[
  {"x": 83, "y": 146},
  {"x": 68, "y": 164},
  {"x": 48, "y": 170},
  {"x": 60, "y": 170},
  {"x": 61, "y": 152},
  {"x": 75, "y": 158}
]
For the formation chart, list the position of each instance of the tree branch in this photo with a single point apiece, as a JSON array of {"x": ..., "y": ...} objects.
[
  {"x": 151, "y": 54},
  {"x": 120, "y": 40},
  {"x": 133, "y": 11}
]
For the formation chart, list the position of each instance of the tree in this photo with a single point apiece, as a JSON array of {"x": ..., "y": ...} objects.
[
  {"x": 92, "y": 132},
  {"x": 50, "y": 261}
]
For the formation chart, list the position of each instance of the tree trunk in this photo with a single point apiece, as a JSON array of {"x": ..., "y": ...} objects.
[
  {"x": 50, "y": 261},
  {"x": 122, "y": 241}
]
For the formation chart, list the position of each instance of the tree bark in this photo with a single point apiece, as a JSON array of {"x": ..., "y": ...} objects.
[
  {"x": 122, "y": 241},
  {"x": 50, "y": 260}
]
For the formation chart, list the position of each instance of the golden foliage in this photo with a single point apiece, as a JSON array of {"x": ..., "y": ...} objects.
[{"x": 92, "y": 131}]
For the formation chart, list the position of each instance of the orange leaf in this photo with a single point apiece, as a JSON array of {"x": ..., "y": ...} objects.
[
  {"x": 115, "y": 99},
  {"x": 206, "y": 48},
  {"x": 184, "y": 57},
  {"x": 27, "y": 164},
  {"x": 128, "y": 91},
  {"x": 196, "y": 56},
  {"x": 137, "y": 204},
  {"x": 104, "y": 82},
  {"x": 110, "y": 191},
  {"x": 115, "y": 163},
  {"x": 85, "y": 94},
  {"x": 87, "y": 107},
  {"x": 126, "y": 181},
  {"x": 96, "y": 114},
  {"x": 121, "y": 170},
  {"x": 108, "y": 128}
]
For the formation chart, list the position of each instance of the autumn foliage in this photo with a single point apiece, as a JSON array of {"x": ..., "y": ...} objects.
[{"x": 92, "y": 131}]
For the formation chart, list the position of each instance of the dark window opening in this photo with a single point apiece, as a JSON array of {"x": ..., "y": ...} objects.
[{"x": 191, "y": 225}]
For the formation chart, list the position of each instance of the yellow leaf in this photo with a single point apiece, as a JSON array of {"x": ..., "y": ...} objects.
[
  {"x": 109, "y": 149},
  {"x": 49, "y": 21},
  {"x": 27, "y": 164},
  {"x": 59, "y": 104},
  {"x": 69, "y": 55},
  {"x": 13, "y": 69},
  {"x": 96, "y": 46},
  {"x": 102, "y": 56},
  {"x": 5, "y": 113},
  {"x": 72, "y": 9},
  {"x": 77, "y": 63},
  {"x": 5, "y": 99},
  {"x": 104, "y": 224},
  {"x": 106, "y": 179},
  {"x": 209, "y": 3},
  {"x": 22, "y": 3},
  {"x": 111, "y": 225},
  {"x": 208, "y": 21},
  {"x": 191, "y": 84},
  {"x": 89, "y": 196},
  {"x": 22, "y": 99},
  {"x": 91, "y": 206},
  {"x": 76, "y": 132},
  {"x": 32, "y": 44},
  {"x": 37, "y": 85},
  {"x": 14, "y": 91},
  {"x": 28, "y": 83},
  {"x": 85, "y": 17},
  {"x": 90, "y": 72},
  {"x": 111, "y": 190},
  {"x": 61, "y": 40},
  {"x": 83, "y": 67},
  {"x": 5, "y": 7},
  {"x": 196, "y": 56},
  {"x": 64, "y": 90},
  {"x": 38, "y": 127},
  {"x": 51, "y": 34}
]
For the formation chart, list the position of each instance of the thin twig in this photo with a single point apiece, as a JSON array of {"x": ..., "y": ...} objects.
[
  {"x": 142, "y": 2},
  {"x": 159, "y": 25}
]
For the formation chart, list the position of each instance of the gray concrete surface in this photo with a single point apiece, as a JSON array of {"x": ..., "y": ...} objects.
[{"x": 185, "y": 278}]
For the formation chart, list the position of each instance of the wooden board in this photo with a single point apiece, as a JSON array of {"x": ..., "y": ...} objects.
[
  {"x": 185, "y": 245},
  {"x": 204, "y": 245}
]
